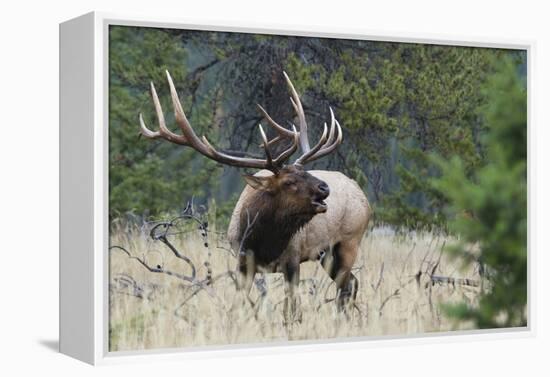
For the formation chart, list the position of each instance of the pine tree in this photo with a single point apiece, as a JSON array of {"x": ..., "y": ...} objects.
[
  {"x": 145, "y": 177},
  {"x": 488, "y": 208}
]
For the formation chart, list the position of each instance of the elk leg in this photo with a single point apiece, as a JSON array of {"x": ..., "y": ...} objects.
[
  {"x": 291, "y": 311},
  {"x": 338, "y": 264},
  {"x": 247, "y": 271}
]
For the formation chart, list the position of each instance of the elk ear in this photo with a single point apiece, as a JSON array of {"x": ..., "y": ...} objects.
[{"x": 258, "y": 183}]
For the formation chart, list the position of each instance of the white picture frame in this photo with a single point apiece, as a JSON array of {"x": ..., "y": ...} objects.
[{"x": 84, "y": 191}]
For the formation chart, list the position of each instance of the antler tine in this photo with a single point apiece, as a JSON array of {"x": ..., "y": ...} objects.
[
  {"x": 163, "y": 132},
  {"x": 329, "y": 148},
  {"x": 332, "y": 128},
  {"x": 285, "y": 155},
  {"x": 334, "y": 139},
  {"x": 324, "y": 146},
  {"x": 302, "y": 124},
  {"x": 276, "y": 139},
  {"x": 266, "y": 146},
  {"x": 146, "y": 131},
  {"x": 278, "y": 128},
  {"x": 181, "y": 120},
  {"x": 227, "y": 159},
  {"x": 253, "y": 162},
  {"x": 203, "y": 146},
  {"x": 304, "y": 158}
]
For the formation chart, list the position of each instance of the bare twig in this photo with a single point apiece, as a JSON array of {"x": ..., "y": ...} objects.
[
  {"x": 380, "y": 278},
  {"x": 247, "y": 231},
  {"x": 394, "y": 294},
  {"x": 204, "y": 285},
  {"x": 407, "y": 259}
]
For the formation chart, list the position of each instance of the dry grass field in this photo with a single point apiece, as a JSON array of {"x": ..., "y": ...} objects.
[{"x": 397, "y": 295}]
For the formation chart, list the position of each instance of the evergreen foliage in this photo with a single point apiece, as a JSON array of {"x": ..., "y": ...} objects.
[
  {"x": 149, "y": 178},
  {"x": 397, "y": 103},
  {"x": 488, "y": 207}
]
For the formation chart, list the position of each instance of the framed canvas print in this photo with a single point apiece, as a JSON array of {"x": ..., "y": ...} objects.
[{"x": 233, "y": 188}]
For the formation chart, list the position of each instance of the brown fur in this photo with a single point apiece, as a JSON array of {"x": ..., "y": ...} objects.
[{"x": 280, "y": 206}]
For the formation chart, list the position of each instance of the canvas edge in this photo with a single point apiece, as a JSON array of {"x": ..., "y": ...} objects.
[
  {"x": 76, "y": 176},
  {"x": 102, "y": 21}
]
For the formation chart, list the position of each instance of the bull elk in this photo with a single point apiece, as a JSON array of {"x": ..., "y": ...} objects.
[{"x": 285, "y": 215}]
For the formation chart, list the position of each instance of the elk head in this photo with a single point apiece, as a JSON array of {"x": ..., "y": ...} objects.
[
  {"x": 293, "y": 189},
  {"x": 290, "y": 187}
]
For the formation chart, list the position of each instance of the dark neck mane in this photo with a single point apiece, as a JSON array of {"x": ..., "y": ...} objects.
[{"x": 272, "y": 230}]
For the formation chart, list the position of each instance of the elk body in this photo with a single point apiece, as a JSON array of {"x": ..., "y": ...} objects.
[
  {"x": 287, "y": 215},
  {"x": 285, "y": 234}
]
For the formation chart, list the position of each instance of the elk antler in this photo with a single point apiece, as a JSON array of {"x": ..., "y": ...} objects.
[
  {"x": 325, "y": 145},
  {"x": 203, "y": 146}
]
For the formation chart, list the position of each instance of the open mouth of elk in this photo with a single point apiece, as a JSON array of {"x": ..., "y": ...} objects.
[{"x": 319, "y": 203}]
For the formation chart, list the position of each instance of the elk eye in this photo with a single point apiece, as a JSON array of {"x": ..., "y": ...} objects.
[{"x": 289, "y": 183}]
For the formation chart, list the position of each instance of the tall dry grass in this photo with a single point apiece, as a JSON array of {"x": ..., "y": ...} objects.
[{"x": 153, "y": 310}]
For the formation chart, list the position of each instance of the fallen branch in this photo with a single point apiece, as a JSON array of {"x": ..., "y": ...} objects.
[
  {"x": 453, "y": 281},
  {"x": 158, "y": 268}
]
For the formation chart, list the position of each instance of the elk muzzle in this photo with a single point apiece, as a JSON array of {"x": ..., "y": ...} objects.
[{"x": 319, "y": 197}]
